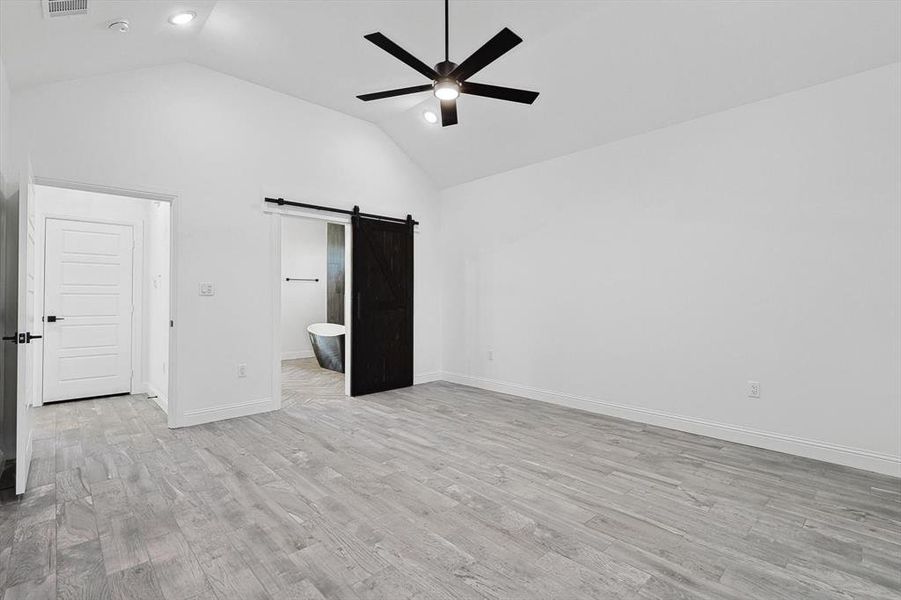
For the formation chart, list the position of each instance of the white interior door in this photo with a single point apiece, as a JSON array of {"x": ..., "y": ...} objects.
[
  {"x": 27, "y": 385},
  {"x": 87, "y": 309}
]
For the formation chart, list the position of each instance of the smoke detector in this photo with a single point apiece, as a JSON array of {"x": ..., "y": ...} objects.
[
  {"x": 120, "y": 25},
  {"x": 64, "y": 8}
]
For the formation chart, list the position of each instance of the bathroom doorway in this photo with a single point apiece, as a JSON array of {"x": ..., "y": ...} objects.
[
  {"x": 373, "y": 338},
  {"x": 313, "y": 344}
]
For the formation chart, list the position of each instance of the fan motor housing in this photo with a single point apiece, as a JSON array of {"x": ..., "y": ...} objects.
[{"x": 445, "y": 67}]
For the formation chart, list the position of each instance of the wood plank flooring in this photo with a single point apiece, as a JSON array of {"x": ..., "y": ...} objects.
[{"x": 433, "y": 492}]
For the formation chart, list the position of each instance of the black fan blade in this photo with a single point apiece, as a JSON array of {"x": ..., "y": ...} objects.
[
  {"x": 400, "y": 54},
  {"x": 493, "y": 49},
  {"x": 448, "y": 112},
  {"x": 398, "y": 92},
  {"x": 501, "y": 93}
]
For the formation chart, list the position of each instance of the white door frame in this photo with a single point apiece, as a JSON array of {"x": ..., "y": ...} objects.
[
  {"x": 171, "y": 198},
  {"x": 137, "y": 290},
  {"x": 276, "y": 213}
]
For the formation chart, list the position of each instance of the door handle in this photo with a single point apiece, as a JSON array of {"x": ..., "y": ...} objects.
[
  {"x": 54, "y": 319},
  {"x": 14, "y": 338},
  {"x": 29, "y": 337}
]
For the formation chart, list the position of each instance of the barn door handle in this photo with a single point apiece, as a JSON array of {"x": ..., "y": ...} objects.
[{"x": 54, "y": 319}]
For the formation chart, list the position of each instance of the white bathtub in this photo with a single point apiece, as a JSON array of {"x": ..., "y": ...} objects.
[{"x": 327, "y": 340}]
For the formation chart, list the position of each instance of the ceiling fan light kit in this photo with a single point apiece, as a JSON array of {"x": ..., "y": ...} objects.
[
  {"x": 447, "y": 89},
  {"x": 449, "y": 79}
]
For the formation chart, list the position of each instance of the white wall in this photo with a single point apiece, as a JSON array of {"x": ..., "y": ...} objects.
[
  {"x": 150, "y": 221},
  {"x": 220, "y": 144},
  {"x": 653, "y": 277},
  {"x": 304, "y": 255},
  {"x": 7, "y": 176}
]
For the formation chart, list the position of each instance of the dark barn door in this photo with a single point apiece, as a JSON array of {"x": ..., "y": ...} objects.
[{"x": 382, "y": 321}]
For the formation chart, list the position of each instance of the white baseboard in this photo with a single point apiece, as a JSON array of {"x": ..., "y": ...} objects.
[
  {"x": 825, "y": 451},
  {"x": 293, "y": 354},
  {"x": 229, "y": 411},
  {"x": 427, "y": 377},
  {"x": 160, "y": 398}
]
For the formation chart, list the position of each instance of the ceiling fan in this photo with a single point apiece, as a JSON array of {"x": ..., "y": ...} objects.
[{"x": 449, "y": 79}]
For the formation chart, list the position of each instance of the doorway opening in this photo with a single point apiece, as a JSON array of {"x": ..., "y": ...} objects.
[
  {"x": 313, "y": 334},
  {"x": 377, "y": 329},
  {"x": 87, "y": 269},
  {"x": 102, "y": 295}
]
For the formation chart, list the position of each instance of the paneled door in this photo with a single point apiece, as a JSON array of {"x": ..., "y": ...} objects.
[
  {"x": 26, "y": 337},
  {"x": 88, "y": 311}
]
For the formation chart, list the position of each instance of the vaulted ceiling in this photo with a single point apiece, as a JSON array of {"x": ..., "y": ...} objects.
[{"x": 606, "y": 70}]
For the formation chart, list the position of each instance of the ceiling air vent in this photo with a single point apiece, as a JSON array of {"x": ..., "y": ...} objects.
[{"x": 65, "y": 8}]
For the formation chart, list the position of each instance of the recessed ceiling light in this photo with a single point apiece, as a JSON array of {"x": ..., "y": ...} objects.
[
  {"x": 182, "y": 18},
  {"x": 430, "y": 116}
]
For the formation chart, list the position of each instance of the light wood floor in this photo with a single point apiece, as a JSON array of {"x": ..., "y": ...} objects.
[{"x": 433, "y": 492}]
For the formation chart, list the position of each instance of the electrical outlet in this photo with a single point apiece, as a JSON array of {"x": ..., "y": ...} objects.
[
  {"x": 207, "y": 289},
  {"x": 753, "y": 389},
  {"x": 242, "y": 370}
]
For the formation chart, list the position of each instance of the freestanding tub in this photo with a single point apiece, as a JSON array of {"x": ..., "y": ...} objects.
[{"x": 328, "y": 345}]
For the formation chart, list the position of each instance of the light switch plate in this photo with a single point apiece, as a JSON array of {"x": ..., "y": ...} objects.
[{"x": 207, "y": 289}]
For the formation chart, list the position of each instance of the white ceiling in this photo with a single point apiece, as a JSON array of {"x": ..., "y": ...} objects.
[
  {"x": 36, "y": 50},
  {"x": 605, "y": 70}
]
